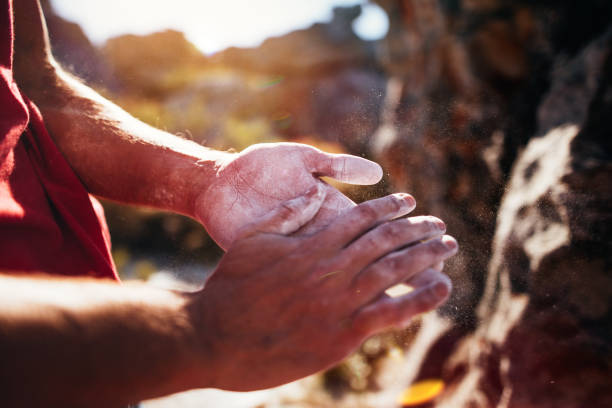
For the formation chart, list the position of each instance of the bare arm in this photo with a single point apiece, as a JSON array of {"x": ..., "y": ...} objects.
[
  {"x": 82, "y": 342},
  {"x": 115, "y": 155},
  {"x": 118, "y": 157},
  {"x": 278, "y": 307}
]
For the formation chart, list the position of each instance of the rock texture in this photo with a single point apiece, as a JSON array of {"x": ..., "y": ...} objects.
[
  {"x": 474, "y": 84},
  {"x": 545, "y": 335}
]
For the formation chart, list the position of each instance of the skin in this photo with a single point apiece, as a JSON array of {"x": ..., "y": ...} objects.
[
  {"x": 301, "y": 285},
  {"x": 328, "y": 294},
  {"x": 256, "y": 180},
  {"x": 120, "y": 158},
  {"x": 299, "y": 305}
]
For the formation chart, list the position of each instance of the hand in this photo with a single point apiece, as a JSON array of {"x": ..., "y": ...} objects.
[
  {"x": 282, "y": 306},
  {"x": 264, "y": 175}
]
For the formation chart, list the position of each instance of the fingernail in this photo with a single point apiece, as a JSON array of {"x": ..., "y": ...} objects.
[
  {"x": 440, "y": 224},
  {"x": 407, "y": 199},
  {"x": 449, "y": 242}
]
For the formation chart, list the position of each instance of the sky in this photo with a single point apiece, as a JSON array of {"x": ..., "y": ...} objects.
[{"x": 213, "y": 25}]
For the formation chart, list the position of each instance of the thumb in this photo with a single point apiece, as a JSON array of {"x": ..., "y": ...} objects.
[
  {"x": 290, "y": 215},
  {"x": 345, "y": 167}
]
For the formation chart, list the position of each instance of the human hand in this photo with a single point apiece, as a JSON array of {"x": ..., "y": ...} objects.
[
  {"x": 262, "y": 176},
  {"x": 282, "y": 306}
]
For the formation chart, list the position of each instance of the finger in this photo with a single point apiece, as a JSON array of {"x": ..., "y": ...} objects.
[
  {"x": 344, "y": 167},
  {"x": 290, "y": 215},
  {"x": 390, "y": 236},
  {"x": 362, "y": 217},
  {"x": 397, "y": 312},
  {"x": 401, "y": 266},
  {"x": 425, "y": 278},
  {"x": 439, "y": 266}
]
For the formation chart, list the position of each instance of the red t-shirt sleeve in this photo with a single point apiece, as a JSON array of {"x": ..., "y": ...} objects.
[{"x": 48, "y": 221}]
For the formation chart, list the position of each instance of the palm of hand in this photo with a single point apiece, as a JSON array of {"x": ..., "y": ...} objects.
[{"x": 263, "y": 176}]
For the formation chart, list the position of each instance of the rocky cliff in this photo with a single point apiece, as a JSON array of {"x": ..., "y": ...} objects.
[{"x": 544, "y": 336}]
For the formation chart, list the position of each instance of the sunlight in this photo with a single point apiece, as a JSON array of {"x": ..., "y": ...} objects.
[
  {"x": 210, "y": 25},
  {"x": 372, "y": 24}
]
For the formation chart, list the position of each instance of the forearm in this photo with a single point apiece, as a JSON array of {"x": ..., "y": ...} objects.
[
  {"x": 115, "y": 155},
  {"x": 68, "y": 342}
]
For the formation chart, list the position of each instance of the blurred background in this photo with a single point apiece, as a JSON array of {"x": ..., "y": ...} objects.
[{"x": 494, "y": 114}]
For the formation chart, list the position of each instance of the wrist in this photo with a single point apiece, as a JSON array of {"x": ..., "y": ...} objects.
[
  {"x": 191, "y": 171},
  {"x": 207, "y": 172},
  {"x": 205, "y": 362}
]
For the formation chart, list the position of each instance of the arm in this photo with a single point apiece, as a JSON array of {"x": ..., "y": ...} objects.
[
  {"x": 118, "y": 157},
  {"x": 86, "y": 343},
  {"x": 278, "y": 307},
  {"x": 115, "y": 155}
]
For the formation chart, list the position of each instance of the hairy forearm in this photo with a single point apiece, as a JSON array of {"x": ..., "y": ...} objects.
[
  {"x": 78, "y": 342},
  {"x": 115, "y": 155}
]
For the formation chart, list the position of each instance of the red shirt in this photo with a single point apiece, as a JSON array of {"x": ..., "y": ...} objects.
[{"x": 48, "y": 221}]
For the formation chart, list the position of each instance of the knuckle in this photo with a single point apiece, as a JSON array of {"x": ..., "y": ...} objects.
[
  {"x": 381, "y": 274},
  {"x": 438, "y": 224},
  {"x": 435, "y": 220},
  {"x": 392, "y": 263},
  {"x": 367, "y": 212},
  {"x": 376, "y": 274},
  {"x": 396, "y": 204},
  {"x": 368, "y": 242},
  {"x": 341, "y": 167},
  {"x": 430, "y": 225},
  {"x": 391, "y": 231},
  {"x": 423, "y": 225},
  {"x": 364, "y": 281}
]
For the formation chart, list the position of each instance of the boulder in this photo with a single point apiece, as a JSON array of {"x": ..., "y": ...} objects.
[{"x": 544, "y": 339}]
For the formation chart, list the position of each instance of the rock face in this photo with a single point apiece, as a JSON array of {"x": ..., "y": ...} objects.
[
  {"x": 472, "y": 85},
  {"x": 455, "y": 73},
  {"x": 546, "y": 317}
]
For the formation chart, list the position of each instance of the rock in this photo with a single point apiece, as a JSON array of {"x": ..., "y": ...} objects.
[
  {"x": 319, "y": 48},
  {"x": 544, "y": 336},
  {"x": 440, "y": 123},
  {"x": 154, "y": 64},
  {"x": 500, "y": 51}
]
